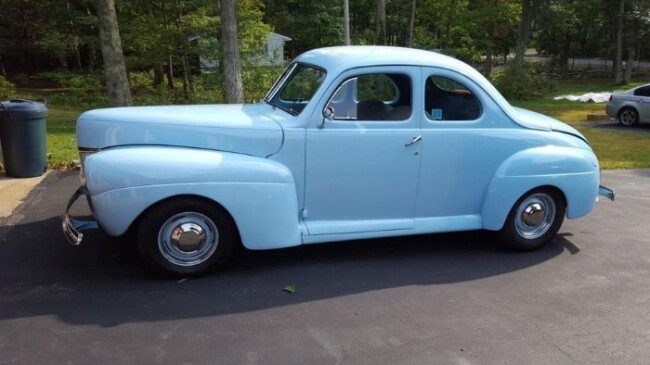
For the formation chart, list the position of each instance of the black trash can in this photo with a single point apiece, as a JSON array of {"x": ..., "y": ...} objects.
[{"x": 23, "y": 136}]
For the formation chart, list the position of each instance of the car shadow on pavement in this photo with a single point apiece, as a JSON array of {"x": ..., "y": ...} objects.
[{"x": 103, "y": 282}]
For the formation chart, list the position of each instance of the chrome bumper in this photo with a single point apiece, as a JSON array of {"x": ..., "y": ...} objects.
[
  {"x": 72, "y": 227},
  {"x": 606, "y": 192}
]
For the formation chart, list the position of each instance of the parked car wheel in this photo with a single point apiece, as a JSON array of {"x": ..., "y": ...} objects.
[
  {"x": 534, "y": 220},
  {"x": 628, "y": 117},
  {"x": 185, "y": 237}
]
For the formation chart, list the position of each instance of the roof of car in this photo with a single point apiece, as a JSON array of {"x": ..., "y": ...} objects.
[{"x": 335, "y": 58}]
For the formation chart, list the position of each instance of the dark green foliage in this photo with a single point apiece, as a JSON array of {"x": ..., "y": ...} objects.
[
  {"x": 522, "y": 83},
  {"x": 310, "y": 24},
  {"x": 258, "y": 81},
  {"x": 54, "y": 43},
  {"x": 7, "y": 89},
  {"x": 71, "y": 80}
]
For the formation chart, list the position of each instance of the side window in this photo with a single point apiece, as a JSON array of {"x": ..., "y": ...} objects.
[
  {"x": 642, "y": 91},
  {"x": 447, "y": 99},
  {"x": 373, "y": 97}
]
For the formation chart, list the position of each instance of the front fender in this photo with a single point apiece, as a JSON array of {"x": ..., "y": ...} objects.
[
  {"x": 259, "y": 194},
  {"x": 574, "y": 171}
]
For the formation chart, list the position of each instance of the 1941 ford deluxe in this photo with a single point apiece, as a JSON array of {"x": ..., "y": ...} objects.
[{"x": 349, "y": 143}]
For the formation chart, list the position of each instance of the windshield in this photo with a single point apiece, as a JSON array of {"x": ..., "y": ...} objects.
[{"x": 295, "y": 87}]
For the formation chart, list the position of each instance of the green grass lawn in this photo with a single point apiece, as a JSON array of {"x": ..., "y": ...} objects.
[
  {"x": 61, "y": 140},
  {"x": 616, "y": 148}
]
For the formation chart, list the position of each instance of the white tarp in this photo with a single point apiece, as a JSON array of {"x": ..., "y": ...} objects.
[{"x": 601, "y": 97}]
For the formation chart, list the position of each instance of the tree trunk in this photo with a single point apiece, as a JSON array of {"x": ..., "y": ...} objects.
[
  {"x": 564, "y": 56},
  {"x": 618, "y": 63},
  {"x": 170, "y": 72},
  {"x": 380, "y": 23},
  {"x": 489, "y": 51},
  {"x": 489, "y": 55},
  {"x": 77, "y": 53},
  {"x": 522, "y": 35},
  {"x": 187, "y": 85},
  {"x": 2, "y": 68},
  {"x": 117, "y": 83},
  {"x": 412, "y": 23},
  {"x": 231, "y": 59},
  {"x": 628, "y": 66},
  {"x": 631, "y": 49},
  {"x": 158, "y": 75},
  {"x": 346, "y": 22}
]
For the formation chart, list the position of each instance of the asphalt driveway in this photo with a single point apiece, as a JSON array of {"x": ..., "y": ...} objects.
[{"x": 449, "y": 299}]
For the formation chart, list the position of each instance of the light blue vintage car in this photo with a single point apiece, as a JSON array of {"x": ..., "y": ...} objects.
[{"x": 350, "y": 143}]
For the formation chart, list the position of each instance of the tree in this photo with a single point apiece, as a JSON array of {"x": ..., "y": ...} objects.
[
  {"x": 522, "y": 36},
  {"x": 310, "y": 24},
  {"x": 560, "y": 28},
  {"x": 618, "y": 62},
  {"x": 117, "y": 83},
  {"x": 346, "y": 22},
  {"x": 380, "y": 22},
  {"x": 231, "y": 58},
  {"x": 411, "y": 23}
]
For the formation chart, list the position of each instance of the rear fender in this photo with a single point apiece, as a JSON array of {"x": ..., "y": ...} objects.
[{"x": 573, "y": 171}]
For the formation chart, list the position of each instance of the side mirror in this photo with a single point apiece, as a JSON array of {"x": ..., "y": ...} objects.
[{"x": 328, "y": 114}]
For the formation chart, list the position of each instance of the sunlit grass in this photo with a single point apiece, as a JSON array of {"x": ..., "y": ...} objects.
[
  {"x": 61, "y": 140},
  {"x": 620, "y": 149}
]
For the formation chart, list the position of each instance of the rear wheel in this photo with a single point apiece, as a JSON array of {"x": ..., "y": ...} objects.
[
  {"x": 628, "y": 117},
  {"x": 534, "y": 220},
  {"x": 185, "y": 237}
]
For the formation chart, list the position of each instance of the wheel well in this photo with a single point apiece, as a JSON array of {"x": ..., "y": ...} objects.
[
  {"x": 624, "y": 108},
  {"x": 136, "y": 223},
  {"x": 547, "y": 187}
]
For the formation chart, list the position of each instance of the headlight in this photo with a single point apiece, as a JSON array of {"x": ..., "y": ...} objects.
[{"x": 83, "y": 153}]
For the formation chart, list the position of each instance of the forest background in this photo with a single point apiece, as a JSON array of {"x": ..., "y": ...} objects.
[{"x": 56, "y": 49}]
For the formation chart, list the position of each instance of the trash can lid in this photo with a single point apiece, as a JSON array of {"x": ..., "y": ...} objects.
[{"x": 23, "y": 107}]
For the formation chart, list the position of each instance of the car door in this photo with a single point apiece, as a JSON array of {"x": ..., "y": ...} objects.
[
  {"x": 464, "y": 141},
  {"x": 642, "y": 97},
  {"x": 362, "y": 163}
]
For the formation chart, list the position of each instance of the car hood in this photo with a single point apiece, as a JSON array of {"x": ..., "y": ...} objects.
[
  {"x": 251, "y": 129},
  {"x": 534, "y": 120}
]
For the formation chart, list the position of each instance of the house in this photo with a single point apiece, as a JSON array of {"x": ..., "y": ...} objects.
[{"x": 272, "y": 54}]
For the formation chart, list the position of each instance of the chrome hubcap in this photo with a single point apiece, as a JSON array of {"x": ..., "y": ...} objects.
[
  {"x": 188, "y": 239},
  {"x": 535, "y": 216}
]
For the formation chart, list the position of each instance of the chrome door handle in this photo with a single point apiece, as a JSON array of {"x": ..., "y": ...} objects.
[{"x": 414, "y": 141}]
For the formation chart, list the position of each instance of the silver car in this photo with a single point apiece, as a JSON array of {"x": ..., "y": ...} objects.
[{"x": 630, "y": 107}]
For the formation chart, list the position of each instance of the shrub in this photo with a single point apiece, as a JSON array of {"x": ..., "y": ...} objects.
[
  {"x": 141, "y": 80},
  {"x": 258, "y": 80},
  {"x": 84, "y": 99},
  {"x": 522, "y": 83},
  {"x": 71, "y": 80},
  {"x": 7, "y": 89}
]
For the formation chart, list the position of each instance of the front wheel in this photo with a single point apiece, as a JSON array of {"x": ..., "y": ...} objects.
[
  {"x": 534, "y": 220},
  {"x": 185, "y": 237},
  {"x": 628, "y": 117}
]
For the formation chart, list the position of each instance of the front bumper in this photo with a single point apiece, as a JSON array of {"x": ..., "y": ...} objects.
[
  {"x": 606, "y": 192},
  {"x": 73, "y": 227}
]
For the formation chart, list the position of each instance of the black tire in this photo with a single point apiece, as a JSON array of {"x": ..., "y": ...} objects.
[
  {"x": 528, "y": 228},
  {"x": 185, "y": 236},
  {"x": 628, "y": 117}
]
